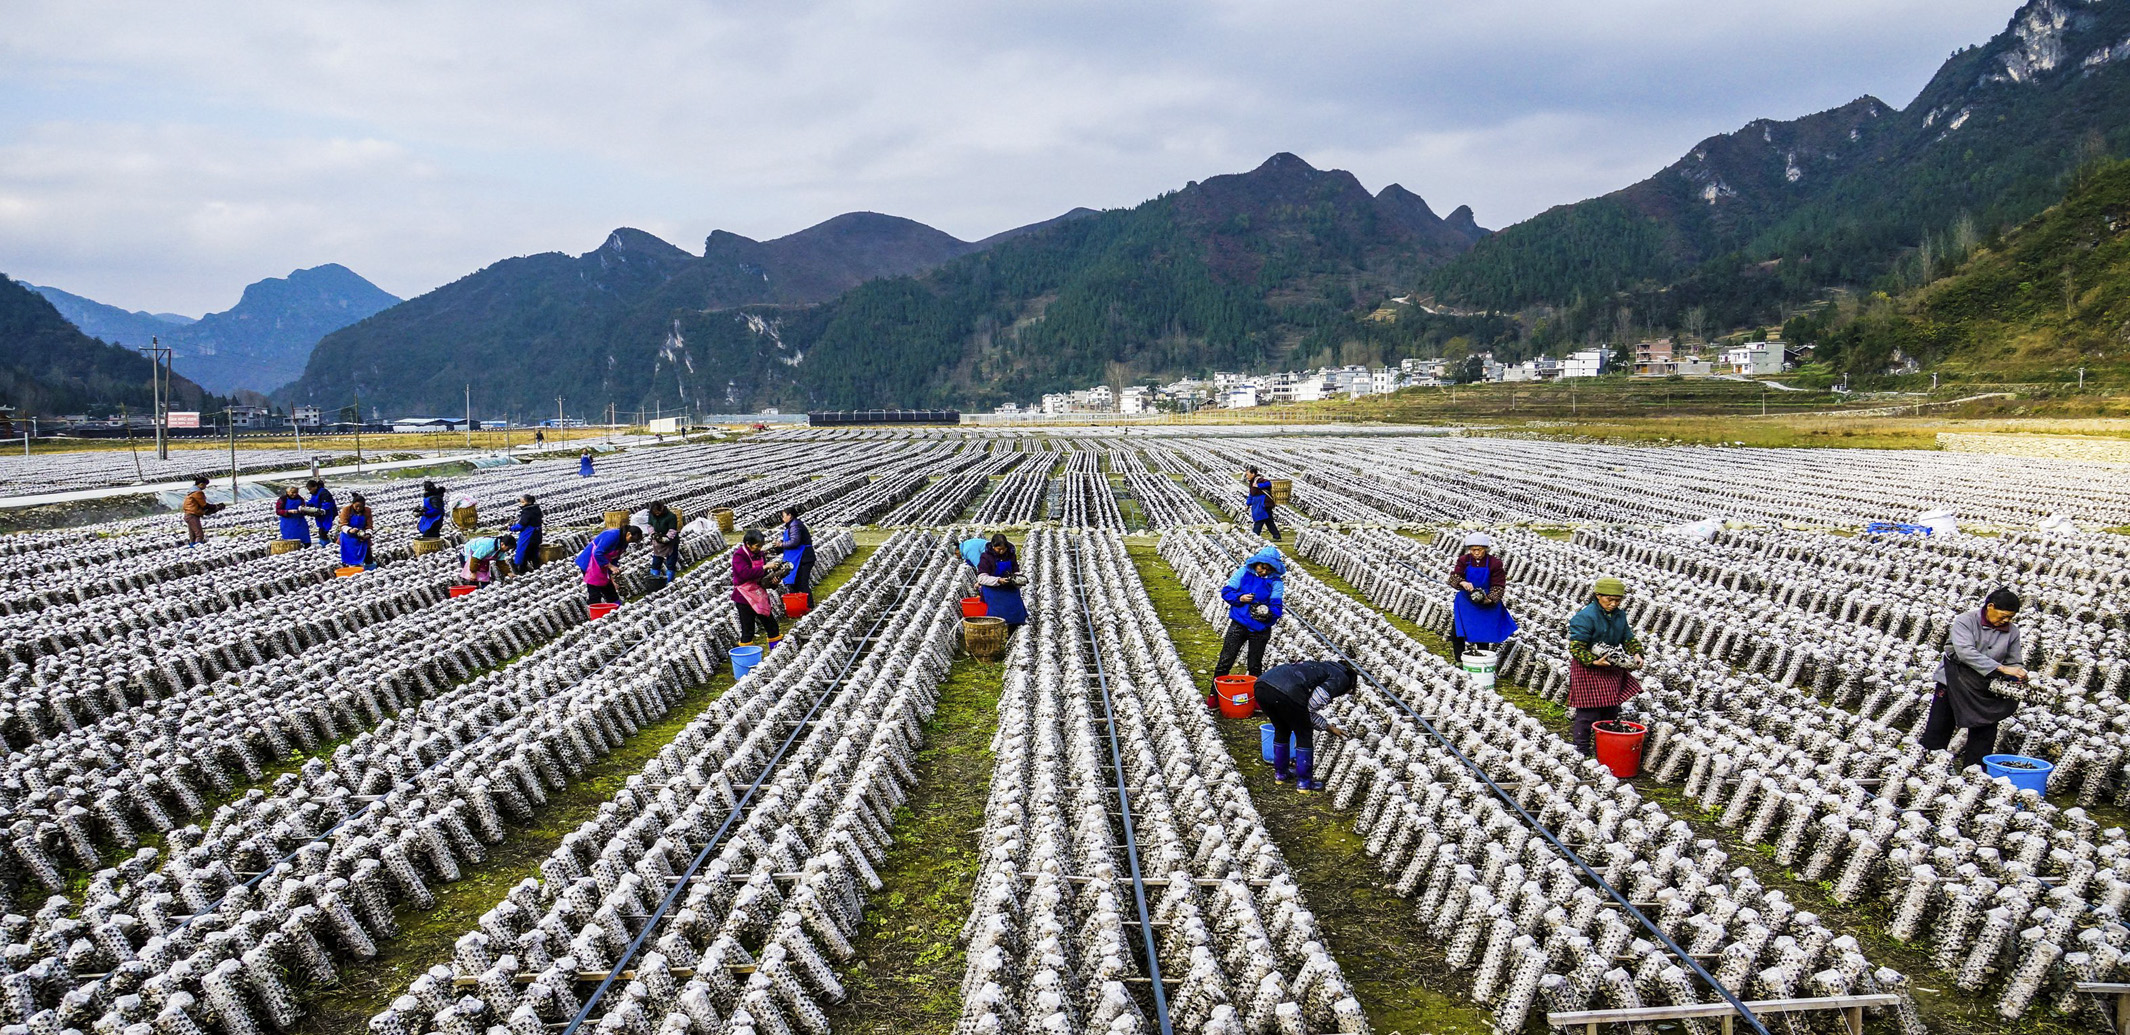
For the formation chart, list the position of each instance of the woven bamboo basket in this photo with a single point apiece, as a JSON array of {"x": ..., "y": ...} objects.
[
  {"x": 724, "y": 518},
  {"x": 423, "y": 547},
  {"x": 985, "y": 637},
  {"x": 549, "y": 553},
  {"x": 1282, "y": 491},
  {"x": 616, "y": 518},
  {"x": 284, "y": 546}
]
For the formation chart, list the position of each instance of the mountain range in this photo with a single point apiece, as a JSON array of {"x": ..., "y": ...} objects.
[
  {"x": 48, "y": 366},
  {"x": 1776, "y": 211},
  {"x": 259, "y": 344},
  {"x": 866, "y": 307}
]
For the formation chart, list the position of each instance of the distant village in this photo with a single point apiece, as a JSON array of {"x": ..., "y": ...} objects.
[{"x": 1233, "y": 391}]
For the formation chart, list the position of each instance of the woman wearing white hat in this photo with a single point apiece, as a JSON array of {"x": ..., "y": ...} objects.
[{"x": 1479, "y": 616}]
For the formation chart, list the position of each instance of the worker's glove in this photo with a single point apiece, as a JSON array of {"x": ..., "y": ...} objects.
[
  {"x": 1261, "y": 612},
  {"x": 1332, "y": 726}
]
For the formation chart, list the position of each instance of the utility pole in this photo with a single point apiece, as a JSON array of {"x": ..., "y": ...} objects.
[
  {"x": 358, "y": 432},
  {"x": 1763, "y": 399},
  {"x": 158, "y": 386},
  {"x": 231, "y": 413},
  {"x": 469, "y": 416}
]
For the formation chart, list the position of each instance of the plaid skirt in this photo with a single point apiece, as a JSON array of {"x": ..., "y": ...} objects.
[{"x": 1599, "y": 687}]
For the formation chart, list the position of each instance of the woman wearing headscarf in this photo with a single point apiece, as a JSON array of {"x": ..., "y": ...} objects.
[
  {"x": 295, "y": 517},
  {"x": 1603, "y": 653},
  {"x": 354, "y": 524},
  {"x": 798, "y": 546},
  {"x": 999, "y": 581},
  {"x": 429, "y": 515},
  {"x": 527, "y": 529},
  {"x": 1478, "y": 615},
  {"x": 1980, "y": 681},
  {"x": 750, "y": 595},
  {"x": 600, "y": 561},
  {"x": 665, "y": 544},
  {"x": 584, "y": 464}
]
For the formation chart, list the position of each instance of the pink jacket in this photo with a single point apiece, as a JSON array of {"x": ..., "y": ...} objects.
[{"x": 747, "y": 569}]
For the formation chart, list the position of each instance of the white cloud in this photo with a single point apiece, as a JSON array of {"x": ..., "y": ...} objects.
[{"x": 163, "y": 156}]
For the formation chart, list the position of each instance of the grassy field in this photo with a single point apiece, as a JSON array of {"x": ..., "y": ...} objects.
[{"x": 372, "y": 445}]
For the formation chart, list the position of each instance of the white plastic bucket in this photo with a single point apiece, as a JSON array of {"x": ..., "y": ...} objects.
[{"x": 1478, "y": 667}]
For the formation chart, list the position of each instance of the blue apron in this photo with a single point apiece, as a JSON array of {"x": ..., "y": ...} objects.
[
  {"x": 1477, "y": 623},
  {"x": 792, "y": 556},
  {"x": 296, "y": 527},
  {"x": 353, "y": 551},
  {"x": 584, "y": 467},
  {"x": 528, "y": 541},
  {"x": 323, "y": 500},
  {"x": 430, "y": 519},
  {"x": 1004, "y": 601}
]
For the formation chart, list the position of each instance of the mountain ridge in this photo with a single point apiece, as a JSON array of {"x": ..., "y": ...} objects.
[{"x": 258, "y": 344}]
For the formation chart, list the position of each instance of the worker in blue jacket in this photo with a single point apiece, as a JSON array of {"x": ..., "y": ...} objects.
[
  {"x": 295, "y": 517},
  {"x": 584, "y": 464},
  {"x": 1294, "y": 697},
  {"x": 527, "y": 527},
  {"x": 798, "y": 546},
  {"x": 327, "y": 510},
  {"x": 429, "y": 516},
  {"x": 972, "y": 549},
  {"x": 1256, "y": 596},
  {"x": 1260, "y": 500},
  {"x": 600, "y": 560}
]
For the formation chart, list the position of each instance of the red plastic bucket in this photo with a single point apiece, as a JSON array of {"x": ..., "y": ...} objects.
[
  {"x": 794, "y": 605},
  {"x": 1620, "y": 752},
  {"x": 603, "y": 610},
  {"x": 1238, "y": 695},
  {"x": 459, "y": 591},
  {"x": 973, "y": 607}
]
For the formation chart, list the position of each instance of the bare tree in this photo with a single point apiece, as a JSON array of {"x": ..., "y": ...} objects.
[
  {"x": 1697, "y": 323},
  {"x": 1965, "y": 237},
  {"x": 1926, "y": 258}
]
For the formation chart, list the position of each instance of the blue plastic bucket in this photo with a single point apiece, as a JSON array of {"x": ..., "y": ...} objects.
[
  {"x": 744, "y": 659},
  {"x": 1264, "y": 734},
  {"x": 2035, "y": 779}
]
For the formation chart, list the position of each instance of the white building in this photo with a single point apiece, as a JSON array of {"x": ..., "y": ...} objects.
[
  {"x": 249, "y": 416},
  {"x": 1756, "y": 357},
  {"x": 1586, "y": 363},
  {"x": 306, "y": 417},
  {"x": 1238, "y": 397},
  {"x": 1136, "y": 399},
  {"x": 1385, "y": 380}
]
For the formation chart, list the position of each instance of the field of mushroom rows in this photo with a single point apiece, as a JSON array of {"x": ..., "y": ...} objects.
[{"x": 234, "y": 780}]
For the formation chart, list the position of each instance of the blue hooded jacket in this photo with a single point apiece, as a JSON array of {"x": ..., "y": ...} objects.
[{"x": 1270, "y": 592}]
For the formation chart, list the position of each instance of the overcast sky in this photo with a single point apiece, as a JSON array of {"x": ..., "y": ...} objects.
[{"x": 161, "y": 156}]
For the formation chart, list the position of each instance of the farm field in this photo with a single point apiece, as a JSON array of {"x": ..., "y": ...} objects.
[{"x": 251, "y": 790}]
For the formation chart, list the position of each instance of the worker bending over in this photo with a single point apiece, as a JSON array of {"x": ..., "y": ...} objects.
[
  {"x": 1294, "y": 697},
  {"x": 527, "y": 529},
  {"x": 1256, "y": 596},
  {"x": 600, "y": 560},
  {"x": 480, "y": 558}
]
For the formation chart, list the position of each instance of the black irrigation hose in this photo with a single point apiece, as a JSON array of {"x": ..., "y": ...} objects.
[
  {"x": 1540, "y": 829},
  {"x": 1124, "y": 798},
  {"x": 716, "y": 841}
]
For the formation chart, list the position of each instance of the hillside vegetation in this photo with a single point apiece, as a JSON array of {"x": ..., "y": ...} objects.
[{"x": 2049, "y": 298}]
